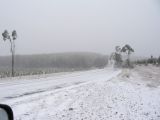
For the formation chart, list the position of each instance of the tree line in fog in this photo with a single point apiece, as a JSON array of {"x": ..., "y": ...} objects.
[{"x": 47, "y": 63}]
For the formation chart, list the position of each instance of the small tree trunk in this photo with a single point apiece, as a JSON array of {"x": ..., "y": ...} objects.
[
  {"x": 12, "y": 64},
  {"x": 128, "y": 59},
  {"x": 13, "y": 52}
]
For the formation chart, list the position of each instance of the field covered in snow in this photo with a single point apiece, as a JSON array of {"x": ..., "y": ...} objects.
[{"x": 106, "y": 94}]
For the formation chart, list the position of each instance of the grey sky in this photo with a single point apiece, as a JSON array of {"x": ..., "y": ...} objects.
[{"x": 48, "y": 26}]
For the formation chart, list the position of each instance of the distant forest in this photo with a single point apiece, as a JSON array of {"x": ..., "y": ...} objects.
[{"x": 51, "y": 63}]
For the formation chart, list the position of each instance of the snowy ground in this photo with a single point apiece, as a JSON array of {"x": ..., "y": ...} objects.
[{"x": 93, "y": 95}]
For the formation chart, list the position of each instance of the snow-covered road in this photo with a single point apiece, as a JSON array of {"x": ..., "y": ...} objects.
[
  {"x": 22, "y": 87},
  {"x": 93, "y": 95}
]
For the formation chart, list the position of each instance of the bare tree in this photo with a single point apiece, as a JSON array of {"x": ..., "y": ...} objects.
[
  {"x": 118, "y": 49},
  {"x": 11, "y": 39},
  {"x": 158, "y": 60},
  {"x": 128, "y": 50},
  {"x": 118, "y": 56}
]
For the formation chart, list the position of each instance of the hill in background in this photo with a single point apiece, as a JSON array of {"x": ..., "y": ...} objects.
[{"x": 50, "y": 63}]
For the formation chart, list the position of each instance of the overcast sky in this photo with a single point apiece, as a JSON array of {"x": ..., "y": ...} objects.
[{"x": 51, "y": 26}]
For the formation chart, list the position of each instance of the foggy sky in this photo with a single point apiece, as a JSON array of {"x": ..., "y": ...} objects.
[{"x": 51, "y": 26}]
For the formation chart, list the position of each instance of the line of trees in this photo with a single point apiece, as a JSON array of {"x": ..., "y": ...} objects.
[
  {"x": 152, "y": 60},
  {"x": 51, "y": 63}
]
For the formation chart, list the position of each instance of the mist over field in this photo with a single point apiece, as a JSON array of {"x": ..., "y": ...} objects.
[{"x": 51, "y": 63}]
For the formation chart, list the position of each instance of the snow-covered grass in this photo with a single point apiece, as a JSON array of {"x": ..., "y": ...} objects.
[{"x": 93, "y": 95}]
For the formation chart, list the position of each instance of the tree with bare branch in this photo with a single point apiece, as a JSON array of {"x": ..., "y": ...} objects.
[
  {"x": 128, "y": 50},
  {"x": 11, "y": 38}
]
